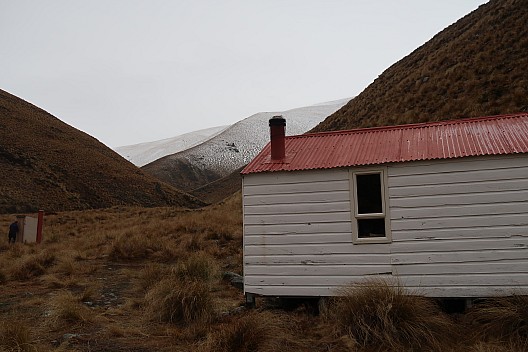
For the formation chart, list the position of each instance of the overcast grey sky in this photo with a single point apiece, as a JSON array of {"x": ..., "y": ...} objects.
[{"x": 129, "y": 71}]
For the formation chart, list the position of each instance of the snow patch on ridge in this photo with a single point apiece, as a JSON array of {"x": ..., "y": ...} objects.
[
  {"x": 143, "y": 153},
  {"x": 240, "y": 143},
  {"x": 226, "y": 148}
]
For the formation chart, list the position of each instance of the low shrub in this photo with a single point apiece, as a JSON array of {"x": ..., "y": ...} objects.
[{"x": 377, "y": 313}]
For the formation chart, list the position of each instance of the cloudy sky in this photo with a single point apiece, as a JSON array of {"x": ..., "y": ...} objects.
[{"x": 130, "y": 71}]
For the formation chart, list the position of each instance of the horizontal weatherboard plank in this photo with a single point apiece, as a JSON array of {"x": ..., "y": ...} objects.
[
  {"x": 311, "y": 259},
  {"x": 316, "y": 249},
  {"x": 312, "y": 270},
  {"x": 297, "y": 208},
  {"x": 306, "y": 228},
  {"x": 308, "y": 197}
]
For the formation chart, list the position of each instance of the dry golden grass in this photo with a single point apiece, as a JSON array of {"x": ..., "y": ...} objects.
[
  {"x": 183, "y": 294},
  {"x": 380, "y": 313},
  {"x": 501, "y": 319},
  {"x": 253, "y": 331},
  {"x": 72, "y": 171},
  {"x": 151, "y": 274},
  {"x": 88, "y": 288},
  {"x": 197, "y": 267},
  {"x": 475, "y": 67},
  {"x": 31, "y": 265},
  {"x": 178, "y": 302},
  {"x": 14, "y": 337},
  {"x": 67, "y": 308}
]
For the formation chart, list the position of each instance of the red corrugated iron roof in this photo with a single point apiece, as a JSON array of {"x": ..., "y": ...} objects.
[{"x": 492, "y": 135}]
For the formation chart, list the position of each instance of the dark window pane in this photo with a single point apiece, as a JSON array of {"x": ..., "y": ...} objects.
[
  {"x": 368, "y": 189},
  {"x": 371, "y": 228}
]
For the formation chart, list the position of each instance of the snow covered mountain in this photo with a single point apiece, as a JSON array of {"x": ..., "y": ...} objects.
[
  {"x": 233, "y": 147},
  {"x": 144, "y": 153},
  {"x": 299, "y": 120}
]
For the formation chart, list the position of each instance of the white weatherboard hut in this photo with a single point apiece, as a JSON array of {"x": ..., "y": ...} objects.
[{"x": 440, "y": 207}]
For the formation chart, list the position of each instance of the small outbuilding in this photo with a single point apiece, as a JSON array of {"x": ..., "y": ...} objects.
[
  {"x": 441, "y": 208},
  {"x": 30, "y": 228}
]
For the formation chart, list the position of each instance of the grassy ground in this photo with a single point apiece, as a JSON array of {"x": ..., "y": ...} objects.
[{"x": 136, "y": 279}]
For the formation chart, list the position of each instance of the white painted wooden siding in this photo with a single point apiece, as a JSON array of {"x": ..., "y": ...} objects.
[
  {"x": 459, "y": 229},
  {"x": 297, "y": 235}
]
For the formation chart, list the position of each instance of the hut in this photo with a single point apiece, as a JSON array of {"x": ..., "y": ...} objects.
[{"x": 440, "y": 208}]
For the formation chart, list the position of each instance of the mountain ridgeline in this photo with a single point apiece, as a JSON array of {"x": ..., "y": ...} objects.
[
  {"x": 47, "y": 164},
  {"x": 475, "y": 67}
]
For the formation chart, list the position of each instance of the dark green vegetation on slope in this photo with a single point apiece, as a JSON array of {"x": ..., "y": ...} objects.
[{"x": 475, "y": 67}]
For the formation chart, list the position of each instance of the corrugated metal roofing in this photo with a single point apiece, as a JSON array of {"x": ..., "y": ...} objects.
[{"x": 492, "y": 135}]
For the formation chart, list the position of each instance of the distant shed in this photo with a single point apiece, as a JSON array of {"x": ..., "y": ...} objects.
[{"x": 442, "y": 207}]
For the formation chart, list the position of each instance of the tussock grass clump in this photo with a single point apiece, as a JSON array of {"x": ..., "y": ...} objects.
[
  {"x": 376, "y": 313},
  {"x": 220, "y": 222},
  {"x": 136, "y": 245},
  {"x": 15, "y": 337},
  {"x": 53, "y": 282},
  {"x": 130, "y": 246},
  {"x": 32, "y": 265},
  {"x": 175, "y": 302},
  {"x": 495, "y": 346},
  {"x": 17, "y": 250},
  {"x": 192, "y": 242},
  {"x": 504, "y": 319},
  {"x": 198, "y": 266},
  {"x": 255, "y": 331},
  {"x": 180, "y": 294},
  {"x": 68, "y": 308},
  {"x": 150, "y": 275},
  {"x": 67, "y": 265}
]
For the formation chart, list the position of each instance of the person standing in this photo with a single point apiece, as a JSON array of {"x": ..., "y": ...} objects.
[{"x": 13, "y": 231}]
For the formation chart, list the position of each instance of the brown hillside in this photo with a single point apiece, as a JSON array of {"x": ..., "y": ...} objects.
[
  {"x": 475, "y": 67},
  {"x": 180, "y": 173},
  {"x": 220, "y": 189},
  {"x": 47, "y": 164}
]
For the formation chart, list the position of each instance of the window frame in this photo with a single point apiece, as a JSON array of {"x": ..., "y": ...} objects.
[{"x": 382, "y": 171}]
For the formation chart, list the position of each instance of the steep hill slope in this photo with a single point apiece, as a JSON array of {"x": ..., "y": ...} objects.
[
  {"x": 47, "y": 164},
  {"x": 475, "y": 67},
  {"x": 233, "y": 148}
]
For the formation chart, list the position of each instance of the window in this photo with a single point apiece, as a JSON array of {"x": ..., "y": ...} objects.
[{"x": 370, "y": 222}]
